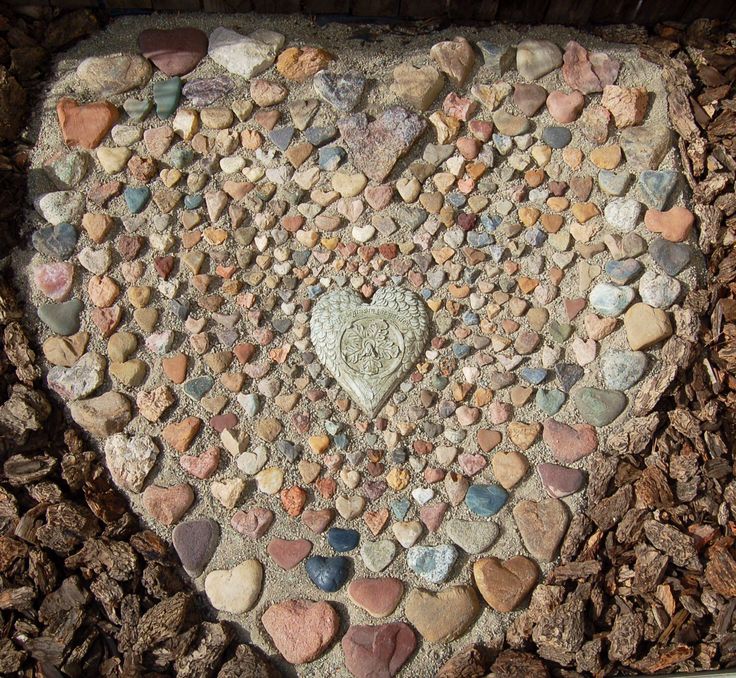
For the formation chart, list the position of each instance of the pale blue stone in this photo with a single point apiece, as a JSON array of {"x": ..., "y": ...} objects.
[
  {"x": 432, "y": 562},
  {"x": 485, "y": 500}
]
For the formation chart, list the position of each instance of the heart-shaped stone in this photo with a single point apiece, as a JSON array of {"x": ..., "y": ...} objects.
[
  {"x": 379, "y": 597},
  {"x": 378, "y": 555},
  {"x": 370, "y": 348},
  {"x": 237, "y": 589},
  {"x": 372, "y": 651},
  {"x": 505, "y": 585},
  {"x": 300, "y": 629},
  {"x": 542, "y": 525},
  {"x": 328, "y": 574},
  {"x": 443, "y": 616},
  {"x": 85, "y": 125},
  {"x": 376, "y": 146},
  {"x": 176, "y": 51}
]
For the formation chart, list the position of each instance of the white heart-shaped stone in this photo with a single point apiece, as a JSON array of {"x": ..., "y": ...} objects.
[{"x": 370, "y": 348}]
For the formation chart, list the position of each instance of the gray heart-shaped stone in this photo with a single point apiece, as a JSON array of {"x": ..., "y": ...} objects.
[{"x": 369, "y": 348}]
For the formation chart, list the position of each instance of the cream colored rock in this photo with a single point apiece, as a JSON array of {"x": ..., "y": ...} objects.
[
  {"x": 235, "y": 590},
  {"x": 646, "y": 326}
]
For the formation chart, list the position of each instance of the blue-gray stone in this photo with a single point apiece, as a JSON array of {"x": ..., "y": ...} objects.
[
  {"x": 671, "y": 257},
  {"x": 432, "y": 562},
  {"x": 657, "y": 186},
  {"x": 57, "y": 242},
  {"x": 613, "y": 183},
  {"x": 479, "y": 239},
  {"x": 556, "y": 137},
  {"x": 61, "y": 318},
  {"x": 400, "y": 507},
  {"x": 461, "y": 350},
  {"x": 490, "y": 222},
  {"x": 500, "y": 58},
  {"x": 610, "y": 300},
  {"x": 289, "y": 449},
  {"x": 192, "y": 202},
  {"x": 624, "y": 271},
  {"x": 342, "y": 539},
  {"x": 622, "y": 369},
  {"x": 137, "y": 109},
  {"x": 317, "y": 136},
  {"x": 136, "y": 198},
  {"x": 331, "y": 157},
  {"x": 535, "y": 237},
  {"x": 341, "y": 440},
  {"x": 166, "y": 95},
  {"x": 411, "y": 217},
  {"x": 597, "y": 406},
  {"x": 533, "y": 375},
  {"x": 301, "y": 257},
  {"x": 197, "y": 387},
  {"x": 328, "y": 574},
  {"x": 281, "y": 137},
  {"x": 180, "y": 308},
  {"x": 470, "y": 318},
  {"x": 456, "y": 199},
  {"x": 485, "y": 500},
  {"x": 568, "y": 374},
  {"x": 550, "y": 401},
  {"x": 439, "y": 382}
]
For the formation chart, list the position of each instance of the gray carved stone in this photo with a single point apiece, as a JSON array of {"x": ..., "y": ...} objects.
[{"x": 369, "y": 348}]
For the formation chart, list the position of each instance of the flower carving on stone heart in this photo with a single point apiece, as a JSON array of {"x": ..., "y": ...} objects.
[{"x": 367, "y": 345}]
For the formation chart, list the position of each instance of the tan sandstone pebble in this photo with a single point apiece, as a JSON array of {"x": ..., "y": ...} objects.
[
  {"x": 627, "y": 105},
  {"x": 542, "y": 525},
  {"x": 65, "y": 351},
  {"x": 606, "y": 157},
  {"x": 130, "y": 372},
  {"x": 181, "y": 434},
  {"x": 442, "y": 616},
  {"x": 104, "y": 415},
  {"x": 646, "y": 326},
  {"x": 417, "y": 85},
  {"x": 509, "y": 468},
  {"x": 301, "y": 63},
  {"x": 300, "y": 629},
  {"x": 523, "y": 435},
  {"x": 268, "y": 428},
  {"x": 168, "y": 504},
  {"x": 455, "y": 58},
  {"x": 97, "y": 226},
  {"x": 228, "y": 491},
  {"x": 103, "y": 291},
  {"x": 152, "y": 404},
  {"x": 505, "y": 584}
]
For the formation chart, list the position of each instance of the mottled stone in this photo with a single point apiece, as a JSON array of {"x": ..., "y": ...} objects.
[
  {"x": 542, "y": 525},
  {"x": 195, "y": 542},
  {"x": 244, "y": 55},
  {"x": 443, "y": 616},
  {"x": 599, "y": 407},
  {"x": 371, "y": 651},
  {"x": 505, "y": 585}
]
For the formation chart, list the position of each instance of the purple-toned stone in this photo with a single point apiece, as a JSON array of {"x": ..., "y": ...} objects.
[
  {"x": 560, "y": 481},
  {"x": 376, "y": 146},
  {"x": 195, "y": 543}
]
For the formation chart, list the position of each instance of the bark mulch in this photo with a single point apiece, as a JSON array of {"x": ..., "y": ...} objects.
[{"x": 647, "y": 579}]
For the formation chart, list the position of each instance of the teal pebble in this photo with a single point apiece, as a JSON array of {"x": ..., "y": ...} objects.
[
  {"x": 485, "y": 500},
  {"x": 192, "y": 202},
  {"x": 136, "y": 198},
  {"x": 550, "y": 401},
  {"x": 166, "y": 95},
  {"x": 197, "y": 387}
]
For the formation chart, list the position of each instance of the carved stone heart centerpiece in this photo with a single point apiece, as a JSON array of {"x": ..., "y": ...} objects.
[{"x": 370, "y": 348}]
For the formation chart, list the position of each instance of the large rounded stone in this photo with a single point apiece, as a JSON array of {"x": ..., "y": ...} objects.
[
  {"x": 443, "y": 616},
  {"x": 114, "y": 73}
]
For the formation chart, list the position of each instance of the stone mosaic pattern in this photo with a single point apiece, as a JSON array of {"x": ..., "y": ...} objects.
[{"x": 225, "y": 225}]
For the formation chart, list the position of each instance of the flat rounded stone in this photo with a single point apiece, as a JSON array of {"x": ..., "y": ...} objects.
[
  {"x": 342, "y": 539},
  {"x": 599, "y": 407},
  {"x": 509, "y": 124},
  {"x": 472, "y": 536},
  {"x": 505, "y": 585},
  {"x": 542, "y": 525},
  {"x": 328, "y": 574},
  {"x": 646, "y": 326},
  {"x": 622, "y": 369},
  {"x": 167, "y": 504},
  {"x": 235, "y": 590},
  {"x": 56, "y": 242},
  {"x": 560, "y": 481},
  {"x": 195, "y": 542},
  {"x": 419, "y": 86},
  {"x": 78, "y": 380},
  {"x": 61, "y": 207},
  {"x": 114, "y": 73},
  {"x": 569, "y": 443},
  {"x": 244, "y": 55},
  {"x": 610, "y": 300},
  {"x": 623, "y": 214},
  {"x": 485, "y": 500},
  {"x": 529, "y": 97},
  {"x": 550, "y": 401},
  {"x": 301, "y": 63},
  {"x": 377, "y": 596},
  {"x": 175, "y": 51},
  {"x": 657, "y": 186},
  {"x": 443, "y": 616},
  {"x": 509, "y": 467},
  {"x": 556, "y": 137},
  {"x": 300, "y": 629},
  {"x": 85, "y": 125},
  {"x": 288, "y": 553},
  {"x": 432, "y": 562},
  {"x": 536, "y": 58},
  {"x": 565, "y": 108},
  {"x": 371, "y": 651},
  {"x": 660, "y": 291}
]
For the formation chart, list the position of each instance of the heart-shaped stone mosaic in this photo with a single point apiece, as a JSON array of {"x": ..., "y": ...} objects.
[{"x": 354, "y": 330}]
